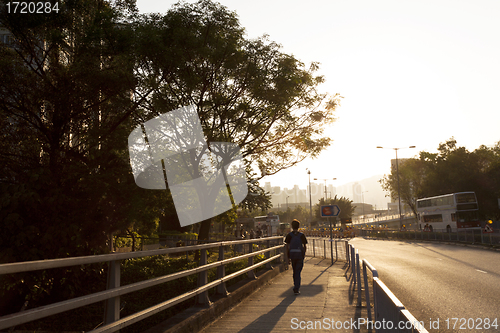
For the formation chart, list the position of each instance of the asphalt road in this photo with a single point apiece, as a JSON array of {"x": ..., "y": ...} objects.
[{"x": 440, "y": 282}]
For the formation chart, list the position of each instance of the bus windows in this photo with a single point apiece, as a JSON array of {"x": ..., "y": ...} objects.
[
  {"x": 468, "y": 216},
  {"x": 465, "y": 197},
  {"x": 433, "y": 218}
]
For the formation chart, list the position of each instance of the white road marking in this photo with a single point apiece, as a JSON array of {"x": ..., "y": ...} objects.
[{"x": 481, "y": 271}]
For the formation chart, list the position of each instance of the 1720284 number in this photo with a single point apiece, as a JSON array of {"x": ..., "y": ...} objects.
[
  {"x": 471, "y": 323},
  {"x": 32, "y": 7}
]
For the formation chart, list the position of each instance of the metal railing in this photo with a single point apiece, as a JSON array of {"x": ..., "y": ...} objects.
[
  {"x": 389, "y": 314},
  {"x": 113, "y": 292},
  {"x": 466, "y": 235},
  {"x": 323, "y": 247}
]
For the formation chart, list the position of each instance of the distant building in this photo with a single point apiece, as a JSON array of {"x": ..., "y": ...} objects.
[
  {"x": 316, "y": 194},
  {"x": 362, "y": 209},
  {"x": 331, "y": 191},
  {"x": 357, "y": 191},
  {"x": 6, "y": 36}
]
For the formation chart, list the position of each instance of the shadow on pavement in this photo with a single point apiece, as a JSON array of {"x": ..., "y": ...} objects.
[{"x": 267, "y": 322}]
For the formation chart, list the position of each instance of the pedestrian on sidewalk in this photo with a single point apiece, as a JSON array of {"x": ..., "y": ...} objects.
[{"x": 296, "y": 249}]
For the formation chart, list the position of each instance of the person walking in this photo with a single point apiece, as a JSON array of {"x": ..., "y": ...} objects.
[{"x": 296, "y": 249}]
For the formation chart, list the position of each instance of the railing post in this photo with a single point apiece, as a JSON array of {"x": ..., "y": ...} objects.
[
  {"x": 367, "y": 292},
  {"x": 269, "y": 265},
  {"x": 324, "y": 248},
  {"x": 358, "y": 278},
  {"x": 346, "y": 251},
  {"x": 314, "y": 249},
  {"x": 348, "y": 254},
  {"x": 202, "y": 298},
  {"x": 353, "y": 265},
  {"x": 112, "y": 305},
  {"x": 331, "y": 250},
  {"x": 285, "y": 255},
  {"x": 251, "y": 274},
  {"x": 221, "y": 272}
]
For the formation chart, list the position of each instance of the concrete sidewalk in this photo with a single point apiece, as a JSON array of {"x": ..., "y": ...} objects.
[{"x": 326, "y": 303}]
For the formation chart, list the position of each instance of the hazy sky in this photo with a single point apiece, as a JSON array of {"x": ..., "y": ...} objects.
[{"x": 411, "y": 73}]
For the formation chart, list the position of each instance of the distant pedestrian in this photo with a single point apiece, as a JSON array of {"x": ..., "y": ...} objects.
[{"x": 296, "y": 249}]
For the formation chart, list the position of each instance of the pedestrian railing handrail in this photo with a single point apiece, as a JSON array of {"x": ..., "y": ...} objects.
[
  {"x": 114, "y": 290},
  {"x": 387, "y": 307},
  {"x": 327, "y": 248},
  {"x": 28, "y": 266},
  {"x": 467, "y": 235}
]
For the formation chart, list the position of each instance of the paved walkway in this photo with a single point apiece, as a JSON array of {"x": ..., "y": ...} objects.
[{"x": 325, "y": 301}]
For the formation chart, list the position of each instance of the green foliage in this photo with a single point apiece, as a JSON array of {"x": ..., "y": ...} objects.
[
  {"x": 65, "y": 114},
  {"x": 345, "y": 205},
  {"x": 411, "y": 181},
  {"x": 245, "y": 91},
  {"x": 300, "y": 213},
  {"x": 67, "y": 106},
  {"x": 176, "y": 233},
  {"x": 452, "y": 169}
]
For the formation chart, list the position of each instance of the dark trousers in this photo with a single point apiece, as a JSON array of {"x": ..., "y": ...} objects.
[{"x": 297, "y": 265}]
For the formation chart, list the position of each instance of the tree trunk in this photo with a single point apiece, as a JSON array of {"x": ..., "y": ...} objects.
[
  {"x": 204, "y": 230},
  {"x": 133, "y": 239},
  {"x": 203, "y": 235}
]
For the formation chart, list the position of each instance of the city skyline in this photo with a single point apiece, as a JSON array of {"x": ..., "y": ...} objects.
[{"x": 367, "y": 191}]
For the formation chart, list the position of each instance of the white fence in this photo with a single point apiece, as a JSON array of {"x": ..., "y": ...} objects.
[
  {"x": 323, "y": 247},
  {"x": 389, "y": 314},
  {"x": 273, "y": 251}
]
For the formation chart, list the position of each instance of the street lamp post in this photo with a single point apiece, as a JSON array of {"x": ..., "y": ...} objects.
[
  {"x": 325, "y": 183},
  {"x": 397, "y": 172},
  {"x": 363, "y": 198},
  {"x": 328, "y": 218},
  {"x": 310, "y": 198}
]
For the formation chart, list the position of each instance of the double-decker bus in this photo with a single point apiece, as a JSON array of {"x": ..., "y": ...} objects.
[
  {"x": 269, "y": 221},
  {"x": 284, "y": 229},
  {"x": 448, "y": 212}
]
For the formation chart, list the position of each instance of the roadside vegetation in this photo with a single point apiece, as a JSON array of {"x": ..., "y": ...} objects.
[
  {"x": 135, "y": 270},
  {"x": 452, "y": 169}
]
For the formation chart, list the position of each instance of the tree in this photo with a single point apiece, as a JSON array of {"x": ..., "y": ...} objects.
[
  {"x": 65, "y": 108},
  {"x": 411, "y": 178},
  {"x": 245, "y": 91},
  {"x": 65, "y": 113},
  {"x": 345, "y": 205},
  {"x": 452, "y": 169},
  {"x": 299, "y": 213}
]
